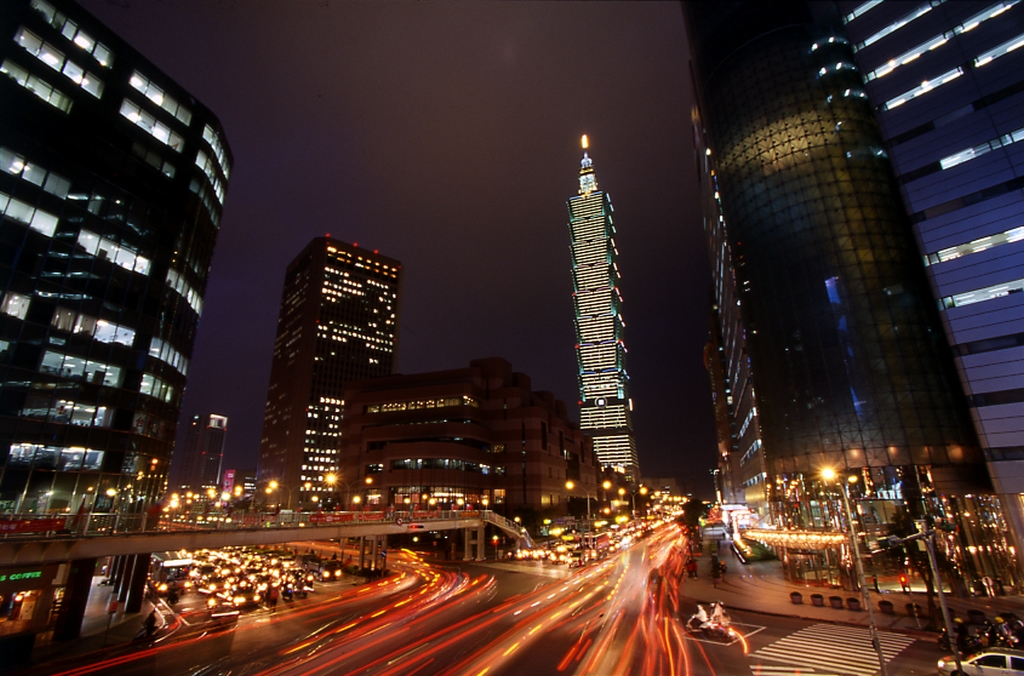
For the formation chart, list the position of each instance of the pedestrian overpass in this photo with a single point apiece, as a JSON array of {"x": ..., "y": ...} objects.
[
  {"x": 52, "y": 559},
  {"x": 122, "y": 535}
]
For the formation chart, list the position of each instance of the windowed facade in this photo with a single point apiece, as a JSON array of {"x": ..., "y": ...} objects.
[
  {"x": 843, "y": 334},
  {"x": 101, "y": 273},
  {"x": 606, "y": 409},
  {"x": 476, "y": 436},
  {"x": 338, "y": 323}
]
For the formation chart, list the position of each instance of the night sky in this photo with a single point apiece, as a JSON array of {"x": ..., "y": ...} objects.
[{"x": 446, "y": 135}]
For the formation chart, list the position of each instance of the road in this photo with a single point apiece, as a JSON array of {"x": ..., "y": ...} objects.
[{"x": 624, "y": 615}]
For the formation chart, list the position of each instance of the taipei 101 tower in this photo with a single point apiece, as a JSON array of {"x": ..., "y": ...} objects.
[{"x": 605, "y": 405}]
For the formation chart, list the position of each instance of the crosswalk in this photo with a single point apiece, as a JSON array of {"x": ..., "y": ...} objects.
[{"x": 827, "y": 650}]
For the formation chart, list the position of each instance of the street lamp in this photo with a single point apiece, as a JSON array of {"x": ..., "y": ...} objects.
[
  {"x": 332, "y": 480},
  {"x": 571, "y": 486},
  {"x": 274, "y": 485},
  {"x": 829, "y": 474},
  {"x": 642, "y": 491}
]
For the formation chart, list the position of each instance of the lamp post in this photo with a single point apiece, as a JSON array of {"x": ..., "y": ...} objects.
[
  {"x": 274, "y": 485},
  {"x": 828, "y": 474},
  {"x": 332, "y": 480},
  {"x": 633, "y": 498},
  {"x": 571, "y": 486}
]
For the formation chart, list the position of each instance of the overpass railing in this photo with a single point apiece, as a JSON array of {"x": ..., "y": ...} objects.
[{"x": 89, "y": 525}]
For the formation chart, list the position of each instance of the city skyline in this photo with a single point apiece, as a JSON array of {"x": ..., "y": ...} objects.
[{"x": 458, "y": 165}]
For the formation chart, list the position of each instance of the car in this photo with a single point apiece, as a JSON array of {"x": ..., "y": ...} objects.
[{"x": 990, "y": 662}]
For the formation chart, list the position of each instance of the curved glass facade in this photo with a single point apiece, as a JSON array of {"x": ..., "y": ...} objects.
[
  {"x": 109, "y": 211},
  {"x": 843, "y": 339}
]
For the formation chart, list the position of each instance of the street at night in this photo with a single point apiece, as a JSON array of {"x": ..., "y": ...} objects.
[
  {"x": 325, "y": 348},
  {"x": 625, "y": 614}
]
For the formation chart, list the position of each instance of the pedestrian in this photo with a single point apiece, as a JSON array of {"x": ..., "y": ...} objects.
[
  {"x": 272, "y": 599},
  {"x": 149, "y": 624}
]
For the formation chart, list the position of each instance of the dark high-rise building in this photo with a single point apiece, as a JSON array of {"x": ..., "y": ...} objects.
[
  {"x": 112, "y": 182},
  {"x": 946, "y": 82},
  {"x": 606, "y": 409},
  {"x": 843, "y": 337},
  {"x": 197, "y": 465},
  {"x": 338, "y": 323}
]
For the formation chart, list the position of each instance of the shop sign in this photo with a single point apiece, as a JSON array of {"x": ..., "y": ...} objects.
[{"x": 31, "y": 525}]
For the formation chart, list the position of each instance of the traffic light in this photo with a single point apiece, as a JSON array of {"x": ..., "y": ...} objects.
[{"x": 903, "y": 582}]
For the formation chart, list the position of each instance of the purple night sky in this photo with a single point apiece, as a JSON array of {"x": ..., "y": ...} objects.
[{"x": 446, "y": 135}]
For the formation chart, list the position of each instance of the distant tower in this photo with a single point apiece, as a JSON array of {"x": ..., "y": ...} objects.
[
  {"x": 202, "y": 450},
  {"x": 605, "y": 404},
  {"x": 338, "y": 323}
]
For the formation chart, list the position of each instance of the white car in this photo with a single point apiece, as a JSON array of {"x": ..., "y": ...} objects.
[{"x": 989, "y": 662}]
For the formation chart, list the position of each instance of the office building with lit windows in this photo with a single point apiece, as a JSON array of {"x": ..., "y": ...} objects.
[
  {"x": 476, "y": 436},
  {"x": 338, "y": 323},
  {"x": 843, "y": 337},
  {"x": 606, "y": 409},
  {"x": 946, "y": 83},
  {"x": 197, "y": 460},
  {"x": 112, "y": 183}
]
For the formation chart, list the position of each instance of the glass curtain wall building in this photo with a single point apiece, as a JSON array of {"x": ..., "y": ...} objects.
[
  {"x": 338, "y": 323},
  {"x": 112, "y": 183},
  {"x": 844, "y": 340},
  {"x": 605, "y": 405},
  {"x": 197, "y": 463},
  {"x": 946, "y": 82}
]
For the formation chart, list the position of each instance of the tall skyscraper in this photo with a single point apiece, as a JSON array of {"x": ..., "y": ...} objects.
[
  {"x": 843, "y": 337},
  {"x": 197, "y": 464},
  {"x": 946, "y": 82},
  {"x": 605, "y": 405},
  {"x": 112, "y": 182},
  {"x": 338, "y": 323}
]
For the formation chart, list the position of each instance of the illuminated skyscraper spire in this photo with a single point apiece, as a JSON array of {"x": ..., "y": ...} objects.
[{"x": 605, "y": 404}]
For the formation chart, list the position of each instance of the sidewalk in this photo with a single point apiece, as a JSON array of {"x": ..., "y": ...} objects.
[
  {"x": 102, "y": 631},
  {"x": 760, "y": 587}
]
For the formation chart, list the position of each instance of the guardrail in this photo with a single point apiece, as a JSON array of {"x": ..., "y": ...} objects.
[{"x": 19, "y": 527}]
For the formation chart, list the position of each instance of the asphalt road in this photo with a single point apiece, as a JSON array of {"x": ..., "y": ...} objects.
[{"x": 624, "y": 615}]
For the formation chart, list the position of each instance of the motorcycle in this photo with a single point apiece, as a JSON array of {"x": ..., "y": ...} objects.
[{"x": 714, "y": 627}]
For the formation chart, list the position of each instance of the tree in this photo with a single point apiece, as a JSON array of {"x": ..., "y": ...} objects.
[
  {"x": 693, "y": 512},
  {"x": 902, "y": 525}
]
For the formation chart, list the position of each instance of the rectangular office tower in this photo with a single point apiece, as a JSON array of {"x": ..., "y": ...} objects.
[
  {"x": 817, "y": 266},
  {"x": 605, "y": 405},
  {"x": 338, "y": 323},
  {"x": 197, "y": 463},
  {"x": 946, "y": 82},
  {"x": 112, "y": 182}
]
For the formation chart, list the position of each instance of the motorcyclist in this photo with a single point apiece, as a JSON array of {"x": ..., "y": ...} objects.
[
  {"x": 718, "y": 616},
  {"x": 702, "y": 617}
]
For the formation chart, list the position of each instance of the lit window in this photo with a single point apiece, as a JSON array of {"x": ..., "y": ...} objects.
[
  {"x": 155, "y": 94},
  {"x": 15, "y": 164},
  {"x": 975, "y": 246},
  {"x": 36, "y": 219},
  {"x": 923, "y": 88},
  {"x": 211, "y": 137},
  {"x": 70, "y": 30},
  {"x": 1001, "y": 50},
  {"x": 981, "y": 295},
  {"x": 900, "y": 23},
  {"x": 54, "y": 58},
  {"x": 157, "y": 129},
  {"x": 860, "y": 10},
  {"x": 977, "y": 151},
  {"x": 120, "y": 255},
  {"x": 15, "y": 305},
  {"x": 37, "y": 86}
]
